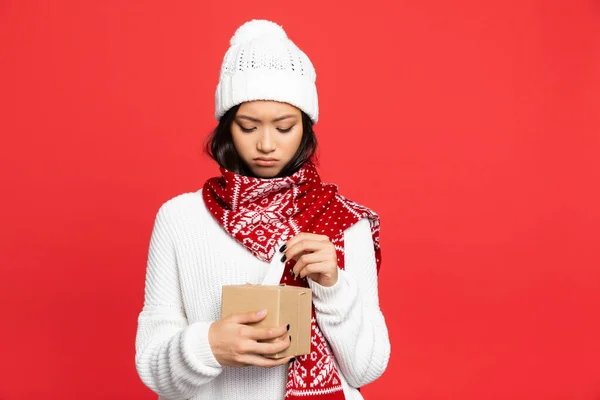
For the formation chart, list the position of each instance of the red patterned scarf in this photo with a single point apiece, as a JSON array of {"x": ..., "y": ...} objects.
[{"x": 260, "y": 213}]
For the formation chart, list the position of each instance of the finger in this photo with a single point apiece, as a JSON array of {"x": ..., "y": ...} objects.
[
  {"x": 265, "y": 362},
  {"x": 270, "y": 348},
  {"x": 317, "y": 268},
  {"x": 248, "y": 317},
  {"x": 255, "y": 333},
  {"x": 305, "y": 236},
  {"x": 305, "y": 246},
  {"x": 285, "y": 336},
  {"x": 305, "y": 259}
]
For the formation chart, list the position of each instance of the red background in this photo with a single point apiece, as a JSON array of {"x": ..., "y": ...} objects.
[{"x": 470, "y": 126}]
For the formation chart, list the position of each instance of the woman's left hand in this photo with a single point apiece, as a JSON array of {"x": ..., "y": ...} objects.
[{"x": 315, "y": 258}]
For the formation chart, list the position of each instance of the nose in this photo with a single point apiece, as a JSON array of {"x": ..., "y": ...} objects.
[{"x": 266, "y": 142}]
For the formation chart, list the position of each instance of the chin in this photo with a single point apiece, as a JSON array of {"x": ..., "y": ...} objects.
[{"x": 266, "y": 173}]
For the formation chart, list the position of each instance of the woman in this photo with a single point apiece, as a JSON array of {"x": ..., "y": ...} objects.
[{"x": 267, "y": 219}]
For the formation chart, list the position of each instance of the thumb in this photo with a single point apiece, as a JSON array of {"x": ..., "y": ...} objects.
[{"x": 248, "y": 317}]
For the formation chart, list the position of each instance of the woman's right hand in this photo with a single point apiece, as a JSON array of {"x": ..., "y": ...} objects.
[{"x": 236, "y": 344}]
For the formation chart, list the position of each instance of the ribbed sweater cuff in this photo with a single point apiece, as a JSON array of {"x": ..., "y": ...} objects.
[
  {"x": 335, "y": 300},
  {"x": 195, "y": 343}
]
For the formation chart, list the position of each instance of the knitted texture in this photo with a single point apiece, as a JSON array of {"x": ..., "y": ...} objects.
[
  {"x": 259, "y": 213},
  {"x": 190, "y": 257},
  {"x": 262, "y": 63}
]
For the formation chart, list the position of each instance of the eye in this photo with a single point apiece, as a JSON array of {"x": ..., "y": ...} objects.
[
  {"x": 285, "y": 130},
  {"x": 246, "y": 130}
]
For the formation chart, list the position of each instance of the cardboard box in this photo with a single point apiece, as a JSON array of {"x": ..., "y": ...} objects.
[{"x": 284, "y": 304}]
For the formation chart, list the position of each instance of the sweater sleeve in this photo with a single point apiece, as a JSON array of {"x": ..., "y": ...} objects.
[
  {"x": 173, "y": 358},
  {"x": 348, "y": 312}
]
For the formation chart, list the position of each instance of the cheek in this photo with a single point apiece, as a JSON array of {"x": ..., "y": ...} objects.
[
  {"x": 240, "y": 141},
  {"x": 293, "y": 140}
]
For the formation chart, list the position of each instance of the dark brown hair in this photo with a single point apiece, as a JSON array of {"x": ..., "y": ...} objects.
[{"x": 220, "y": 147}]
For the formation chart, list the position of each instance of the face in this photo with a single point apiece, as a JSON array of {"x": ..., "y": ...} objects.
[{"x": 266, "y": 135}]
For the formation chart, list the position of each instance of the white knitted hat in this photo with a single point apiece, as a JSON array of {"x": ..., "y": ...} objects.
[{"x": 263, "y": 64}]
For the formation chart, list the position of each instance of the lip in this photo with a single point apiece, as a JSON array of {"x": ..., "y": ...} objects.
[{"x": 265, "y": 162}]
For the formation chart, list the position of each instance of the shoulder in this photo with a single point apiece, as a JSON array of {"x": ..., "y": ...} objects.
[
  {"x": 181, "y": 205},
  {"x": 360, "y": 230},
  {"x": 360, "y": 210}
]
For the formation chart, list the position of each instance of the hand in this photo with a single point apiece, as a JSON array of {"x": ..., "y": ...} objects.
[
  {"x": 236, "y": 344},
  {"x": 315, "y": 257}
]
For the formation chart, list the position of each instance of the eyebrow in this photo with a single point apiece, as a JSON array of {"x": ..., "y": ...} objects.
[{"x": 258, "y": 120}]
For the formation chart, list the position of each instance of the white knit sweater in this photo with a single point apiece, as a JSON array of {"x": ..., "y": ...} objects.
[{"x": 190, "y": 257}]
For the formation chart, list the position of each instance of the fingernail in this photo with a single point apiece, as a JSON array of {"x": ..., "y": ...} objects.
[
  {"x": 293, "y": 359},
  {"x": 293, "y": 274},
  {"x": 288, "y": 327},
  {"x": 262, "y": 313},
  {"x": 290, "y": 338},
  {"x": 282, "y": 249},
  {"x": 283, "y": 258}
]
